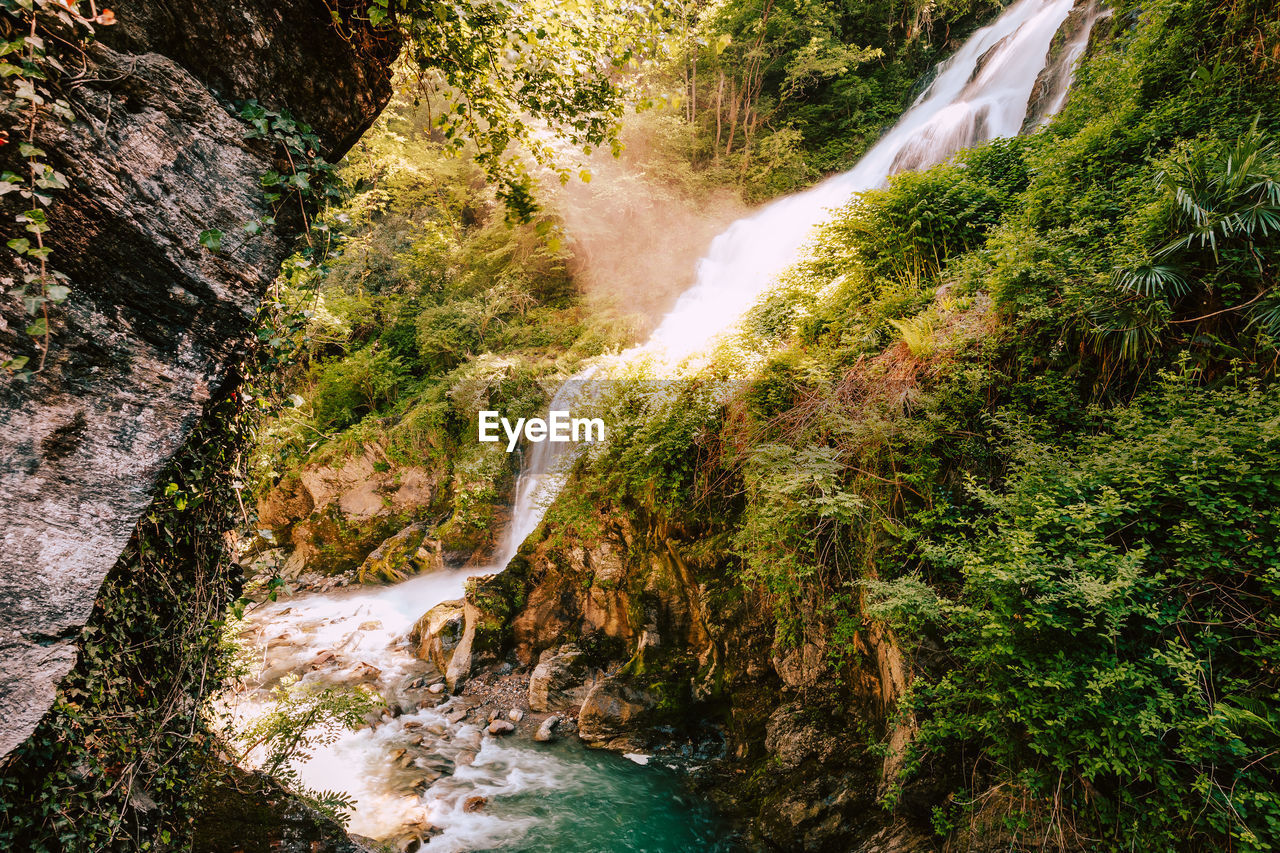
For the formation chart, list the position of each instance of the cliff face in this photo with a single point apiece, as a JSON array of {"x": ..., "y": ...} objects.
[
  {"x": 154, "y": 319},
  {"x": 646, "y": 638}
]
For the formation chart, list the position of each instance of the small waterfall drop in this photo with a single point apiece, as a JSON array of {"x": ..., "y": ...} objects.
[{"x": 542, "y": 473}]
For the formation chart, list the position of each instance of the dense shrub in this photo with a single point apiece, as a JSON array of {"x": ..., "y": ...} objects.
[{"x": 1116, "y": 634}]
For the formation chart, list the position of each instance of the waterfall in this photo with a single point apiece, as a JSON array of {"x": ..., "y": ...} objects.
[
  {"x": 980, "y": 93},
  {"x": 358, "y": 635},
  {"x": 542, "y": 474}
]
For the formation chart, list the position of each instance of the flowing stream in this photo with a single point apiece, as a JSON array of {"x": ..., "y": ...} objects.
[{"x": 413, "y": 773}]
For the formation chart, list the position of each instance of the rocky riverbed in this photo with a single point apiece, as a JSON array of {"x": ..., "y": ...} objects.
[{"x": 487, "y": 761}]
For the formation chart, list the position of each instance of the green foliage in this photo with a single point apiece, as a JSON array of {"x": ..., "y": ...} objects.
[
  {"x": 492, "y": 72},
  {"x": 426, "y": 307},
  {"x": 362, "y": 382},
  {"x": 777, "y": 92},
  {"x": 30, "y": 73},
  {"x": 304, "y": 718},
  {"x": 1112, "y": 593}
]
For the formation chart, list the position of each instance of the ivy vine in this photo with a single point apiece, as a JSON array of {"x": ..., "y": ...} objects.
[{"x": 30, "y": 71}]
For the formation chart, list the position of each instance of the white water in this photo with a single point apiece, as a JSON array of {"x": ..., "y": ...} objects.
[
  {"x": 979, "y": 93},
  {"x": 965, "y": 105}
]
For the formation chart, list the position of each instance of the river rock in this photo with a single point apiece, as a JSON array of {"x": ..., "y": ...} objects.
[
  {"x": 474, "y": 804},
  {"x": 612, "y": 710},
  {"x": 501, "y": 727},
  {"x": 546, "y": 732},
  {"x": 436, "y": 688},
  {"x": 515, "y": 715},
  {"x": 557, "y": 671},
  {"x": 437, "y": 634},
  {"x": 444, "y": 636},
  {"x": 401, "y": 555}
]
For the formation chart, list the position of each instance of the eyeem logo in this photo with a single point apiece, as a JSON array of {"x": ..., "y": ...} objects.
[{"x": 558, "y": 427}]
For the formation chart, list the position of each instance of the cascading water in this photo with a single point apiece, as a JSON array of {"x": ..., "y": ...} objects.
[
  {"x": 543, "y": 472},
  {"x": 978, "y": 94},
  {"x": 418, "y": 769}
]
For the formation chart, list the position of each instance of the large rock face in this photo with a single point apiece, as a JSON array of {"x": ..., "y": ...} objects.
[
  {"x": 680, "y": 642},
  {"x": 154, "y": 320}
]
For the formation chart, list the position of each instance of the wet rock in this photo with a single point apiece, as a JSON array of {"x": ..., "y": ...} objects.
[
  {"x": 557, "y": 671},
  {"x": 465, "y": 758},
  {"x": 441, "y": 637},
  {"x": 794, "y": 739},
  {"x": 406, "y": 553},
  {"x": 1072, "y": 38},
  {"x": 457, "y": 715},
  {"x": 613, "y": 709},
  {"x": 436, "y": 688},
  {"x": 468, "y": 739},
  {"x": 501, "y": 727},
  {"x": 474, "y": 804},
  {"x": 366, "y": 672},
  {"x": 515, "y": 715},
  {"x": 801, "y": 667},
  {"x": 546, "y": 732}
]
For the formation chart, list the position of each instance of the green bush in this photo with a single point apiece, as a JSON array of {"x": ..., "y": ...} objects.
[{"x": 1117, "y": 620}]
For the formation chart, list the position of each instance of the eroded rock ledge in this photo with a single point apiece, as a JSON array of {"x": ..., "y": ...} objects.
[{"x": 154, "y": 320}]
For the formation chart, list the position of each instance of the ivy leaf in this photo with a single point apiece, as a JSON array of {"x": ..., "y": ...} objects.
[
  {"x": 58, "y": 293},
  {"x": 211, "y": 239},
  {"x": 20, "y": 245},
  {"x": 39, "y": 328}
]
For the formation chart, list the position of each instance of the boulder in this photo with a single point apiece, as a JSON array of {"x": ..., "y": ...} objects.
[
  {"x": 557, "y": 671},
  {"x": 546, "y": 732},
  {"x": 155, "y": 321},
  {"x": 406, "y": 553},
  {"x": 501, "y": 727},
  {"x": 437, "y": 635},
  {"x": 613, "y": 710}
]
